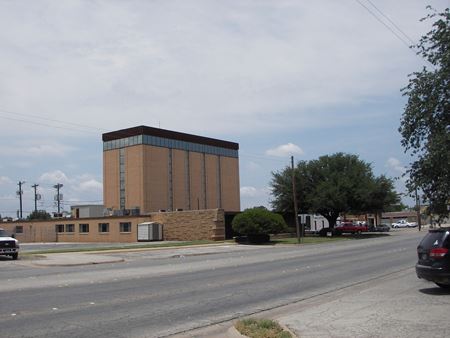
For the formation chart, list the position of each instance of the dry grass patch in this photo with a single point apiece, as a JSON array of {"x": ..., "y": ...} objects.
[{"x": 261, "y": 328}]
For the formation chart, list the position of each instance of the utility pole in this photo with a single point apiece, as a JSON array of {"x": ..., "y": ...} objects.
[
  {"x": 20, "y": 193},
  {"x": 294, "y": 195},
  {"x": 58, "y": 196},
  {"x": 35, "y": 196},
  {"x": 419, "y": 219}
]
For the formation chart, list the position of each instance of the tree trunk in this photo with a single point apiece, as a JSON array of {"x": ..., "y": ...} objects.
[{"x": 331, "y": 218}]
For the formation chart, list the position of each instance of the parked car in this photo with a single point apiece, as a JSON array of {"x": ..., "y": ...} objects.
[
  {"x": 434, "y": 257},
  {"x": 351, "y": 228},
  {"x": 401, "y": 224},
  {"x": 9, "y": 246},
  {"x": 380, "y": 228}
]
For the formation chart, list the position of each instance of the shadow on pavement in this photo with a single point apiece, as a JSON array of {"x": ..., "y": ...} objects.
[
  {"x": 435, "y": 291},
  {"x": 365, "y": 236}
]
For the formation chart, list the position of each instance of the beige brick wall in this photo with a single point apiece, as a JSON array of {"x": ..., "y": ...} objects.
[
  {"x": 197, "y": 193},
  {"x": 179, "y": 179},
  {"x": 193, "y": 224},
  {"x": 32, "y": 231},
  {"x": 156, "y": 178},
  {"x": 177, "y": 226},
  {"x": 207, "y": 185},
  {"x": 111, "y": 179},
  {"x": 230, "y": 184},
  {"x": 134, "y": 189},
  {"x": 211, "y": 181}
]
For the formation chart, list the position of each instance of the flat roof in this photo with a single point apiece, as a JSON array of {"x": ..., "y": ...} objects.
[{"x": 169, "y": 134}]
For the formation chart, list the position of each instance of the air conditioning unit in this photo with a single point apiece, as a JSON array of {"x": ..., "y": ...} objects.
[
  {"x": 118, "y": 212},
  {"x": 149, "y": 231},
  {"x": 135, "y": 211}
]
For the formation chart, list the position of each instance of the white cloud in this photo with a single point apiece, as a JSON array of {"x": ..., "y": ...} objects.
[
  {"x": 56, "y": 176},
  {"x": 5, "y": 180},
  {"x": 240, "y": 66},
  {"x": 252, "y": 166},
  {"x": 90, "y": 185},
  {"x": 395, "y": 164},
  {"x": 49, "y": 150},
  {"x": 249, "y": 191},
  {"x": 80, "y": 183},
  {"x": 32, "y": 149},
  {"x": 253, "y": 197},
  {"x": 254, "y": 192},
  {"x": 83, "y": 188},
  {"x": 285, "y": 150}
]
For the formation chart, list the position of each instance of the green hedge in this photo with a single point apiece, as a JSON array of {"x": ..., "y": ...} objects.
[{"x": 258, "y": 221}]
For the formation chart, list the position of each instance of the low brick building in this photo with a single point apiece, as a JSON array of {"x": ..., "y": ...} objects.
[{"x": 177, "y": 226}]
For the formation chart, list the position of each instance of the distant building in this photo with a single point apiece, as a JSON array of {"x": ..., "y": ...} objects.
[
  {"x": 148, "y": 169},
  {"x": 87, "y": 211},
  {"x": 392, "y": 217}
]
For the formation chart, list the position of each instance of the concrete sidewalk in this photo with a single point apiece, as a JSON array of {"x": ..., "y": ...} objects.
[
  {"x": 399, "y": 305},
  {"x": 72, "y": 259}
]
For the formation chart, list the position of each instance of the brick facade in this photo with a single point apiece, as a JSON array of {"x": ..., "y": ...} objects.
[
  {"x": 177, "y": 226},
  {"x": 154, "y": 169}
]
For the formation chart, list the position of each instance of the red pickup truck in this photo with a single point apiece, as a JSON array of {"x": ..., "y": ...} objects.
[{"x": 350, "y": 228}]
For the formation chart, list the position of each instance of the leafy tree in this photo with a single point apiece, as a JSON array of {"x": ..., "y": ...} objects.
[
  {"x": 39, "y": 215},
  {"x": 258, "y": 221},
  {"x": 396, "y": 207},
  {"x": 382, "y": 196},
  {"x": 331, "y": 185},
  {"x": 425, "y": 124}
]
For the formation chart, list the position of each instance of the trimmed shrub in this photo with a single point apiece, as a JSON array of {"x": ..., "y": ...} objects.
[{"x": 258, "y": 223}]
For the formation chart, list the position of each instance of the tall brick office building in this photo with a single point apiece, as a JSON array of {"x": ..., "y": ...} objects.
[{"x": 150, "y": 169}]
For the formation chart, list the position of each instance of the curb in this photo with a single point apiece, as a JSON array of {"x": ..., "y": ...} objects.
[
  {"x": 233, "y": 333},
  {"x": 71, "y": 259},
  {"x": 78, "y": 264},
  {"x": 131, "y": 249}
]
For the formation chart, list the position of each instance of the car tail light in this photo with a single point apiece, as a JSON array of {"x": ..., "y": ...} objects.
[{"x": 438, "y": 252}]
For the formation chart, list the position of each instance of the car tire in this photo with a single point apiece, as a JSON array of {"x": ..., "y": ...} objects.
[
  {"x": 444, "y": 286},
  {"x": 15, "y": 256}
]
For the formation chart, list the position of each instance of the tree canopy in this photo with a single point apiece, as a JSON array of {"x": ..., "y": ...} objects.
[
  {"x": 39, "y": 215},
  {"x": 331, "y": 185},
  {"x": 425, "y": 123}
]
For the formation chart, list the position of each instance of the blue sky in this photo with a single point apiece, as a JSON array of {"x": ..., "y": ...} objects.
[{"x": 281, "y": 78}]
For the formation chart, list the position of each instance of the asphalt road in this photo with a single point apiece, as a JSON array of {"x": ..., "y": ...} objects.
[{"x": 161, "y": 293}]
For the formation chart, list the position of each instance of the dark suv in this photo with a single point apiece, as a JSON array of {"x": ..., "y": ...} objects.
[{"x": 434, "y": 257}]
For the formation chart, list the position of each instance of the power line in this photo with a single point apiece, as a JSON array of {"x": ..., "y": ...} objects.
[
  {"x": 392, "y": 22},
  {"x": 384, "y": 24},
  {"x": 262, "y": 157},
  {"x": 76, "y": 126},
  {"x": 46, "y": 125},
  {"x": 51, "y": 120}
]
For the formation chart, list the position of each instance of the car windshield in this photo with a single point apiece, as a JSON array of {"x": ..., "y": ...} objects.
[{"x": 3, "y": 233}]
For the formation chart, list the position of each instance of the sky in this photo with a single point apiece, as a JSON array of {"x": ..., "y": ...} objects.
[{"x": 281, "y": 78}]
